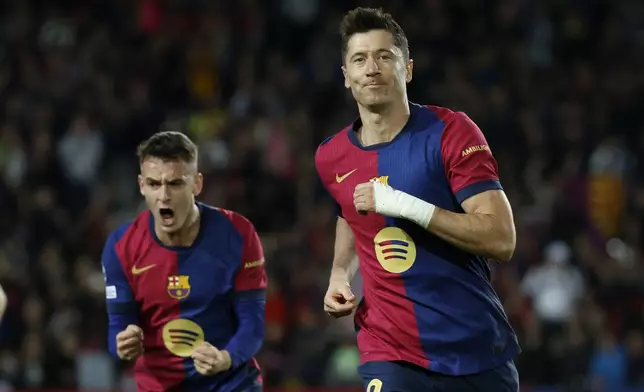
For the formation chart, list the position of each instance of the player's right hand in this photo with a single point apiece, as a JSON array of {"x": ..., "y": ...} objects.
[
  {"x": 129, "y": 343},
  {"x": 339, "y": 300}
]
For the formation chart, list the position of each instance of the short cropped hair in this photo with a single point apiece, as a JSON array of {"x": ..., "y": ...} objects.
[
  {"x": 168, "y": 146},
  {"x": 362, "y": 20}
]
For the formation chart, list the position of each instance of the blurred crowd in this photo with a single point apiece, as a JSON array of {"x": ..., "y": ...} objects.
[{"x": 556, "y": 86}]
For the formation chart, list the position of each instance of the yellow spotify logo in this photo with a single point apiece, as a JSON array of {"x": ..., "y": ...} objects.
[
  {"x": 181, "y": 336},
  {"x": 395, "y": 250},
  {"x": 374, "y": 385}
]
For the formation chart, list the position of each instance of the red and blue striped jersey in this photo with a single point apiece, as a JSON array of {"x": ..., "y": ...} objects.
[
  {"x": 425, "y": 301},
  {"x": 212, "y": 291}
]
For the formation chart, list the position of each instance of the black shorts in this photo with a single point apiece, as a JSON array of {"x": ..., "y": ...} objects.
[{"x": 405, "y": 377}]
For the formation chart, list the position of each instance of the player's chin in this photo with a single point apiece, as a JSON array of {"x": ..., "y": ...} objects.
[{"x": 374, "y": 99}]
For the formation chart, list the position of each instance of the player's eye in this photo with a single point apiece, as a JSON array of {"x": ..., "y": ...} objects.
[
  {"x": 154, "y": 184},
  {"x": 359, "y": 60}
]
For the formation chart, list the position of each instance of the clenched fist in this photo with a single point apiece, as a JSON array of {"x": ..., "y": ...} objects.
[
  {"x": 339, "y": 301},
  {"x": 209, "y": 360},
  {"x": 364, "y": 199},
  {"x": 129, "y": 343}
]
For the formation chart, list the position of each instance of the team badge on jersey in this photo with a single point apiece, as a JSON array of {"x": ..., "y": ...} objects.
[
  {"x": 384, "y": 180},
  {"x": 178, "y": 286}
]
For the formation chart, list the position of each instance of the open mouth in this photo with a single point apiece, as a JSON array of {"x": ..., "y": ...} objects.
[{"x": 166, "y": 215}]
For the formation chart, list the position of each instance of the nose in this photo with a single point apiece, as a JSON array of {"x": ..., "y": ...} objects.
[
  {"x": 373, "y": 68},
  {"x": 164, "y": 194}
]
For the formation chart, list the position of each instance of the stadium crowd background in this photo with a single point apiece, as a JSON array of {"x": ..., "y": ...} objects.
[{"x": 557, "y": 87}]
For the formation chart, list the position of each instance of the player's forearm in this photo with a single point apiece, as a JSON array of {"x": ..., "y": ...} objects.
[
  {"x": 118, "y": 322},
  {"x": 480, "y": 234},
  {"x": 345, "y": 260},
  {"x": 345, "y": 269},
  {"x": 250, "y": 331}
]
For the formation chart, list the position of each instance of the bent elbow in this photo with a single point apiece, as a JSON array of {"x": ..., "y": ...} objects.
[
  {"x": 504, "y": 249},
  {"x": 505, "y": 254}
]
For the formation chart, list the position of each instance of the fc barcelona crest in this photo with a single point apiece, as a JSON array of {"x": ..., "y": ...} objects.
[{"x": 178, "y": 286}]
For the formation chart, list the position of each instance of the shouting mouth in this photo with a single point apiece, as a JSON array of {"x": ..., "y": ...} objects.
[{"x": 167, "y": 216}]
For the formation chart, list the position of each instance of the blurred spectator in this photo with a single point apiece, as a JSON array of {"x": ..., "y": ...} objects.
[{"x": 554, "y": 287}]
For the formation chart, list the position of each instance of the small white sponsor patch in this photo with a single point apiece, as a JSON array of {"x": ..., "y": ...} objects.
[{"x": 110, "y": 292}]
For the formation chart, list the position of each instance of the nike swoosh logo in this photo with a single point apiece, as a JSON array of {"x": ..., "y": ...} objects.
[
  {"x": 339, "y": 179},
  {"x": 139, "y": 271}
]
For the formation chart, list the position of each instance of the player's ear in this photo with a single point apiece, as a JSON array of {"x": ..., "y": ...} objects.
[
  {"x": 198, "y": 184},
  {"x": 409, "y": 70},
  {"x": 141, "y": 184},
  {"x": 346, "y": 78}
]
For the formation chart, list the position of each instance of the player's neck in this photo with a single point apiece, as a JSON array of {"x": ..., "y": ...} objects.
[
  {"x": 382, "y": 125},
  {"x": 187, "y": 234}
]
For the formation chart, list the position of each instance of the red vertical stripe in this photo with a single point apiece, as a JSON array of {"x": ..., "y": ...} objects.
[{"x": 157, "y": 369}]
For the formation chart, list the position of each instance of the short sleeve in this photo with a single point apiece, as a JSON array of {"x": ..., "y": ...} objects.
[
  {"x": 469, "y": 164},
  {"x": 251, "y": 279},
  {"x": 118, "y": 293}
]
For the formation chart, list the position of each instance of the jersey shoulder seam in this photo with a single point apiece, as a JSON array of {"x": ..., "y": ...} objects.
[{"x": 332, "y": 137}]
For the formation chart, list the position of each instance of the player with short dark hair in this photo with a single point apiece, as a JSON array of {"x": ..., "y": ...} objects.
[
  {"x": 185, "y": 282},
  {"x": 420, "y": 209}
]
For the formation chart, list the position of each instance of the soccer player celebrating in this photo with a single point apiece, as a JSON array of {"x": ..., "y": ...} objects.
[
  {"x": 420, "y": 203},
  {"x": 185, "y": 282}
]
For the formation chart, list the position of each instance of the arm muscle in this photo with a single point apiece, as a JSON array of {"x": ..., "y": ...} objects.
[{"x": 486, "y": 227}]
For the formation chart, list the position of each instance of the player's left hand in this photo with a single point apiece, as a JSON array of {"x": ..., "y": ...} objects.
[
  {"x": 364, "y": 199},
  {"x": 209, "y": 360}
]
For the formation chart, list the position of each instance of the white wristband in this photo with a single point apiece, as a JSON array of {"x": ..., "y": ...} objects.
[{"x": 397, "y": 204}]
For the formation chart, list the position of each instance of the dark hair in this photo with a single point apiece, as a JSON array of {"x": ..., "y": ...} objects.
[
  {"x": 362, "y": 20},
  {"x": 168, "y": 146}
]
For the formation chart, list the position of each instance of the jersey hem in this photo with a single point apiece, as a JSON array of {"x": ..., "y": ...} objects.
[{"x": 437, "y": 366}]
